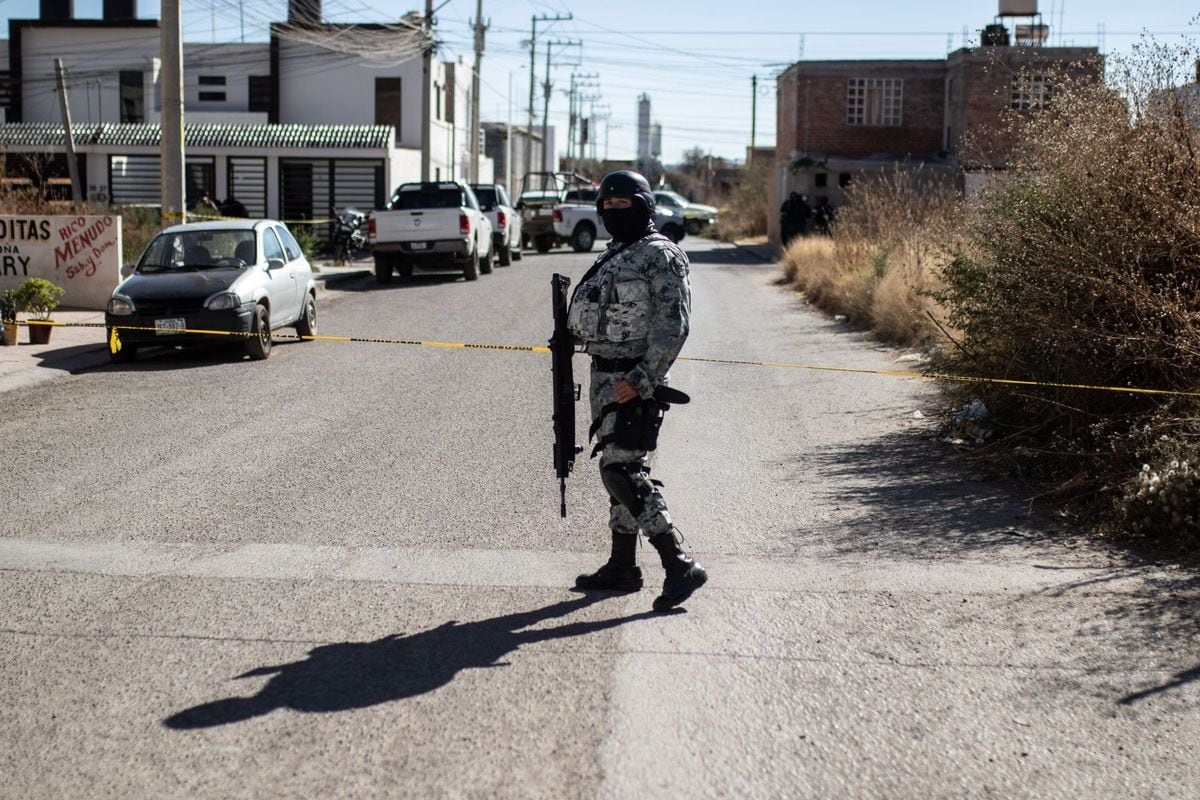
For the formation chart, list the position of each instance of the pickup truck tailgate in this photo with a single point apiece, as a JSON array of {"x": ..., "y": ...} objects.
[{"x": 411, "y": 226}]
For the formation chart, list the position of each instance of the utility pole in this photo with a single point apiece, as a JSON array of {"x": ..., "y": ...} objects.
[
  {"x": 546, "y": 107},
  {"x": 65, "y": 108},
  {"x": 426, "y": 93},
  {"x": 577, "y": 82},
  {"x": 533, "y": 83},
  {"x": 476, "y": 127},
  {"x": 753, "y": 115},
  {"x": 174, "y": 208}
]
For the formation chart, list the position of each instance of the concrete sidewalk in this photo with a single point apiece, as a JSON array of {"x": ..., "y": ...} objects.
[{"x": 72, "y": 349}]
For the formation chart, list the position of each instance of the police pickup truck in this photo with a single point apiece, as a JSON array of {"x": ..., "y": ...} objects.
[
  {"x": 431, "y": 225},
  {"x": 580, "y": 224}
]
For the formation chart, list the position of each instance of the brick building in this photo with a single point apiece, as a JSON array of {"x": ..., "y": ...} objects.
[{"x": 837, "y": 121}]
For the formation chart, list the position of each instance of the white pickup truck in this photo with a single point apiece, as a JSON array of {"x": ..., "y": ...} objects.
[
  {"x": 430, "y": 225},
  {"x": 580, "y": 224}
]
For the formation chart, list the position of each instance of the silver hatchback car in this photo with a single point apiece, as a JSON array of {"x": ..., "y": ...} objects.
[{"x": 242, "y": 276}]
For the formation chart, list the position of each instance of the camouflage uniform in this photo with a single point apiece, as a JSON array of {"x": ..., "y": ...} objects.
[{"x": 636, "y": 306}]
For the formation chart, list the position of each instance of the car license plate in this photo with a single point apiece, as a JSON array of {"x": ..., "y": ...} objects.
[
  {"x": 544, "y": 212},
  {"x": 419, "y": 245},
  {"x": 167, "y": 327}
]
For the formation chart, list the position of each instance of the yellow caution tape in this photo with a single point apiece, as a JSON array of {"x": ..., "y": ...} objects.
[{"x": 115, "y": 345}]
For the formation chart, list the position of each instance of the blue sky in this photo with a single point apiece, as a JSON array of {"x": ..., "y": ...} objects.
[{"x": 695, "y": 58}]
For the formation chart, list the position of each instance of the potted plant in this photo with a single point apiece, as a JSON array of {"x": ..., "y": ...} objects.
[
  {"x": 38, "y": 297},
  {"x": 8, "y": 315}
]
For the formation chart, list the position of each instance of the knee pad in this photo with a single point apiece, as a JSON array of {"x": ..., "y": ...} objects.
[{"x": 622, "y": 487}]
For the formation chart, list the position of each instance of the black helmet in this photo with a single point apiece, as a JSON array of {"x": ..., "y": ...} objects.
[{"x": 626, "y": 183}]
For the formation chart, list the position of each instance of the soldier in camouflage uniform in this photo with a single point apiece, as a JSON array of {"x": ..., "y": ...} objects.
[{"x": 631, "y": 313}]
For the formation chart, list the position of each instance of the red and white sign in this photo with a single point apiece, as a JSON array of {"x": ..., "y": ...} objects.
[{"x": 80, "y": 254}]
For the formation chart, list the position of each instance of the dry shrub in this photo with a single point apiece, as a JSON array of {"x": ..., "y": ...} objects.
[
  {"x": 882, "y": 263},
  {"x": 746, "y": 215},
  {"x": 139, "y": 224},
  {"x": 1084, "y": 268}
]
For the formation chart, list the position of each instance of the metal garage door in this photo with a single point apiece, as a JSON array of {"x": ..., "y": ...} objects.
[
  {"x": 358, "y": 183},
  {"x": 247, "y": 183},
  {"x": 134, "y": 179}
]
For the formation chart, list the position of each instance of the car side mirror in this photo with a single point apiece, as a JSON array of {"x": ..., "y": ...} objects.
[{"x": 275, "y": 263}]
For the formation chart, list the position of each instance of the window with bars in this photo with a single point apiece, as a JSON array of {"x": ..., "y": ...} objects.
[
  {"x": 875, "y": 101},
  {"x": 1031, "y": 91}
]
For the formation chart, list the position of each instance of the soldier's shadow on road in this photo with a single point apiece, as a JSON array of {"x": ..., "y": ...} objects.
[{"x": 352, "y": 675}]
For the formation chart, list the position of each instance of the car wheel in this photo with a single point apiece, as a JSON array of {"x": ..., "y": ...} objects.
[
  {"x": 383, "y": 268},
  {"x": 485, "y": 262},
  {"x": 673, "y": 232},
  {"x": 694, "y": 226},
  {"x": 258, "y": 343},
  {"x": 505, "y": 255},
  {"x": 517, "y": 255},
  {"x": 583, "y": 238},
  {"x": 307, "y": 324},
  {"x": 543, "y": 242},
  {"x": 127, "y": 354},
  {"x": 405, "y": 268}
]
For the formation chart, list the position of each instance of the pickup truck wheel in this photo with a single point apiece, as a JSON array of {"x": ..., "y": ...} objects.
[
  {"x": 517, "y": 255},
  {"x": 506, "y": 256},
  {"x": 543, "y": 242},
  {"x": 471, "y": 268},
  {"x": 258, "y": 343},
  {"x": 485, "y": 262},
  {"x": 583, "y": 238},
  {"x": 694, "y": 226},
  {"x": 405, "y": 268},
  {"x": 383, "y": 268}
]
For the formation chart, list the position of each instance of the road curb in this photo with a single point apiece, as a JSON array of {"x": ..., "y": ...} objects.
[{"x": 95, "y": 356}]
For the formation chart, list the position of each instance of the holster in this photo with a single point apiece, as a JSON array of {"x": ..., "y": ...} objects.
[
  {"x": 638, "y": 421},
  {"x": 637, "y": 424}
]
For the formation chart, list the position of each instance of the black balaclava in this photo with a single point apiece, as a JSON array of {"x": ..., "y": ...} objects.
[{"x": 627, "y": 224}]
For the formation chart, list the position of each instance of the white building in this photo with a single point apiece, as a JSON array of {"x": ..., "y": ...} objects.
[{"x": 291, "y": 128}]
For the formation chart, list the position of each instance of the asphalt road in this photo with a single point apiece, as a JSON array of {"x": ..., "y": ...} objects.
[{"x": 341, "y": 572}]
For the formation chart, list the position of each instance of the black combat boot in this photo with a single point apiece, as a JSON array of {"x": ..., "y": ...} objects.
[
  {"x": 684, "y": 575},
  {"x": 621, "y": 573}
]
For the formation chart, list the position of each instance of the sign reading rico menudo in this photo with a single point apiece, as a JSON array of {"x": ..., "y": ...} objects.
[{"x": 81, "y": 254}]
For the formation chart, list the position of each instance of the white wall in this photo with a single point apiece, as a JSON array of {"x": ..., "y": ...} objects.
[
  {"x": 320, "y": 87},
  {"x": 233, "y": 62},
  {"x": 92, "y": 57}
]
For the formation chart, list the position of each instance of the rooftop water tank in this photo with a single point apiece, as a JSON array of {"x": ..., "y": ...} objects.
[{"x": 1018, "y": 8}]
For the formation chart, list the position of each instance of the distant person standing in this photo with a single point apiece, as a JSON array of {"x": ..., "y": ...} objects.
[{"x": 794, "y": 216}]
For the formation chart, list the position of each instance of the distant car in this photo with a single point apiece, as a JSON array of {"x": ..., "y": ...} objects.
[
  {"x": 543, "y": 191},
  {"x": 507, "y": 224},
  {"x": 696, "y": 215},
  {"x": 242, "y": 276},
  {"x": 581, "y": 225}
]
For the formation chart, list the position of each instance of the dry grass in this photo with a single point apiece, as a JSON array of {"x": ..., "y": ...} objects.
[
  {"x": 747, "y": 213},
  {"x": 881, "y": 266}
]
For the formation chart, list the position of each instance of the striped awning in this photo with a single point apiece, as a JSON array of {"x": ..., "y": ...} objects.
[{"x": 278, "y": 137}]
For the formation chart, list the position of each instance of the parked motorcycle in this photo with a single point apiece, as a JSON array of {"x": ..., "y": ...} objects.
[{"x": 349, "y": 235}]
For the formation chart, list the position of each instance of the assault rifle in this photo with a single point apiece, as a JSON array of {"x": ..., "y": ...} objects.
[{"x": 566, "y": 391}]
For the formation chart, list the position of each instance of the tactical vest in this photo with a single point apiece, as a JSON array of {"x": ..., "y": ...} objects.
[{"x": 608, "y": 306}]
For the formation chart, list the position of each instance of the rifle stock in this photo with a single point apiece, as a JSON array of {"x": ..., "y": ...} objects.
[{"x": 566, "y": 391}]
